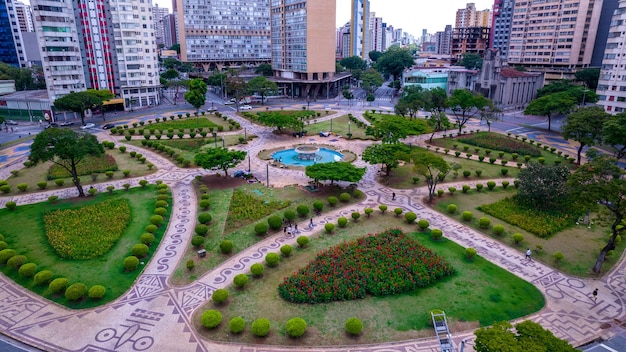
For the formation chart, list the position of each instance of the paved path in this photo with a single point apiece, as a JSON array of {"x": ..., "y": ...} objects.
[{"x": 156, "y": 316}]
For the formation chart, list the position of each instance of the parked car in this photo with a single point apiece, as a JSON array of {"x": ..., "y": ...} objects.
[
  {"x": 66, "y": 123},
  {"x": 10, "y": 122},
  {"x": 52, "y": 124},
  {"x": 229, "y": 102},
  {"x": 108, "y": 126},
  {"x": 245, "y": 107},
  {"x": 211, "y": 109},
  {"x": 87, "y": 126}
]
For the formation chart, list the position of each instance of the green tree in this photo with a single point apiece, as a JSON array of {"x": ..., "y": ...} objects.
[
  {"x": 264, "y": 69},
  {"x": 527, "y": 336},
  {"x": 25, "y": 78},
  {"x": 219, "y": 159},
  {"x": 353, "y": 63},
  {"x": 236, "y": 86},
  {"x": 170, "y": 74},
  {"x": 176, "y": 84},
  {"x": 389, "y": 155},
  {"x": 281, "y": 121},
  {"x": 490, "y": 114},
  {"x": 471, "y": 61},
  {"x": 171, "y": 63},
  {"x": 348, "y": 95},
  {"x": 589, "y": 76},
  {"x": 614, "y": 134},
  {"x": 371, "y": 80},
  {"x": 601, "y": 182},
  {"x": 336, "y": 171},
  {"x": 262, "y": 86},
  {"x": 584, "y": 126},
  {"x": 103, "y": 95},
  {"x": 175, "y": 47},
  {"x": 543, "y": 186},
  {"x": 196, "y": 95},
  {"x": 78, "y": 102},
  {"x": 391, "y": 128},
  {"x": 374, "y": 55},
  {"x": 413, "y": 99},
  {"x": 465, "y": 105},
  {"x": 438, "y": 121},
  {"x": 393, "y": 61},
  {"x": 434, "y": 169},
  {"x": 370, "y": 97},
  {"x": 65, "y": 148},
  {"x": 548, "y": 105}
]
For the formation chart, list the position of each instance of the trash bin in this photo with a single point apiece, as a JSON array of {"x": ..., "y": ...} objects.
[{"x": 202, "y": 253}]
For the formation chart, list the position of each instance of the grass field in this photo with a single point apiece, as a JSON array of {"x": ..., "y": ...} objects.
[
  {"x": 478, "y": 294},
  {"x": 339, "y": 127},
  {"x": 29, "y": 239}
]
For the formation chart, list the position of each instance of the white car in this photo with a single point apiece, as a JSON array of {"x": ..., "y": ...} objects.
[
  {"x": 87, "y": 126},
  {"x": 229, "y": 102},
  {"x": 245, "y": 107}
]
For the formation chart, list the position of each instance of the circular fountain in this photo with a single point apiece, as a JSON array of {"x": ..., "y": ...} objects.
[{"x": 306, "y": 152}]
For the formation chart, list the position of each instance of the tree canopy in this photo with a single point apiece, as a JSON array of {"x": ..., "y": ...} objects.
[
  {"x": 434, "y": 169},
  {"x": 393, "y": 61},
  {"x": 374, "y": 55},
  {"x": 548, "y": 105},
  {"x": 466, "y": 104},
  {"x": 336, "y": 171},
  {"x": 392, "y": 128},
  {"x": 25, "y": 78},
  {"x": 280, "y": 121},
  {"x": 262, "y": 86},
  {"x": 387, "y": 154},
  {"x": 353, "y": 63},
  {"x": 219, "y": 159},
  {"x": 589, "y": 76},
  {"x": 79, "y": 102},
  {"x": 471, "y": 61},
  {"x": 527, "y": 336},
  {"x": 371, "y": 80},
  {"x": 66, "y": 148},
  {"x": 170, "y": 74},
  {"x": 584, "y": 126},
  {"x": 542, "y": 186},
  {"x": 614, "y": 134},
  {"x": 264, "y": 69},
  {"x": 196, "y": 95}
]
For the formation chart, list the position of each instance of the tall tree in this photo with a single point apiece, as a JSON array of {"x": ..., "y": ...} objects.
[
  {"x": 236, "y": 86},
  {"x": 490, "y": 114},
  {"x": 262, "y": 86},
  {"x": 196, "y": 95},
  {"x": 337, "y": 171},
  {"x": 434, "y": 169},
  {"x": 347, "y": 94},
  {"x": 170, "y": 74},
  {"x": 471, "y": 61},
  {"x": 391, "y": 128},
  {"x": 465, "y": 105},
  {"x": 264, "y": 69},
  {"x": 176, "y": 84},
  {"x": 527, "y": 336},
  {"x": 438, "y": 121},
  {"x": 589, "y": 76},
  {"x": 413, "y": 99},
  {"x": 543, "y": 186},
  {"x": 389, "y": 155},
  {"x": 371, "y": 80},
  {"x": 65, "y": 148},
  {"x": 78, "y": 102},
  {"x": 374, "y": 55},
  {"x": 614, "y": 134},
  {"x": 353, "y": 63},
  {"x": 548, "y": 105},
  {"x": 393, "y": 61},
  {"x": 555, "y": 87},
  {"x": 25, "y": 78},
  {"x": 219, "y": 159},
  {"x": 601, "y": 182},
  {"x": 584, "y": 126},
  {"x": 280, "y": 121},
  {"x": 103, "y": 95}
]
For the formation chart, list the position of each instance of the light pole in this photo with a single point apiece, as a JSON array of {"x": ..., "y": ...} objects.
[
  {"x": 245, "y": 134},
  {"x": 215, "y": 136},
  {"x": 331, "y": 125},
  {"x": 349, "y": 129},
  {"x": 248, "y": 163}
]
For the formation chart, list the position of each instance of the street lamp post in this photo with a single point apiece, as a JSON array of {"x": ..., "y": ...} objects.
[
  {"x": 248, "y": 163},
  {"x": 215, "y": 136},
  {"x": 331, "y": 125},
  {"x": 245, "y": 134},
  {"x": 349, "y": 129}
]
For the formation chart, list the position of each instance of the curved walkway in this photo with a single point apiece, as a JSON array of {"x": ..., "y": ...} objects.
[{"x": 155, "y": 316}]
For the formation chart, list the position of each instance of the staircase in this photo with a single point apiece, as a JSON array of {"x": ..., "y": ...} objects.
[{"x": 441, "y": 330}]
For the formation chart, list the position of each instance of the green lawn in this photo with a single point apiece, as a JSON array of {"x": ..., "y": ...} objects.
[
  {"x": 479, "y": 293},
  {"x": 339, "y": 127},
  {"x": 30, "y": 239}
]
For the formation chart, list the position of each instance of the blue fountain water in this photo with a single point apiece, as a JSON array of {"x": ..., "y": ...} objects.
[{"x": 290, "y": 157}]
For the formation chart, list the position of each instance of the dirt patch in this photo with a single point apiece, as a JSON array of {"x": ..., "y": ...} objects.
[{"x": 222, "y": 182}]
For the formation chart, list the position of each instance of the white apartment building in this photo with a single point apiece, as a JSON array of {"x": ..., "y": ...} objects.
[
  {"x": 158, "y": 13},
  {"x": 24, "y": 17},
  {"x": 360, "y": 40},
  {"x": 612, "y": 82},
  {"x": 376, "y": 25}
]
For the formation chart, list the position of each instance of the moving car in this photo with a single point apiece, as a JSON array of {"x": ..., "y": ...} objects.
[
  {"x": 245, "y": 107},
  {"x": 229, "y": 102},
  {"x": 66, "y": 123},
  {"x": 52, "y": 124},
  {"x": 10, "y": 122},
  {"x": 87, "y": 126},
  {"x": 211, "y": 109},
  {"x": 108, "y": 126}
]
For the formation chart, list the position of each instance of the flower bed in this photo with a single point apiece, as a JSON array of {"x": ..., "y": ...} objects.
[
  {"x": 88, "y": 166},
  {"x": 383, "y": 264},
  {"x": 189, "y": 123},
  {"x": 497, "y": 141},
  {"x": 188, "y": 144},
  {"x": 246, "y": 208},
  {"x": 87, "y": 232},
  {"x": 541, "y": 223}
]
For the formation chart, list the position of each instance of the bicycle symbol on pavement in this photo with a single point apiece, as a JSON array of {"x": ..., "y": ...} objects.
[{"x": 139, "y": 324}]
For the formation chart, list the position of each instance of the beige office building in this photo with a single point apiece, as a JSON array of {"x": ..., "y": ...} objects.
[
  {"x": 554, "y": 36},
  {"x": 470, "y": 17}
]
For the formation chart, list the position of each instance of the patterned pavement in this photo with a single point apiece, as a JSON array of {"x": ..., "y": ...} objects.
[{"x": 155, "y": 316}]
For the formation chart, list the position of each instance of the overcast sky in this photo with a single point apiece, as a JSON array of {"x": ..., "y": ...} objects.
[{"x": 410, "y": 15}]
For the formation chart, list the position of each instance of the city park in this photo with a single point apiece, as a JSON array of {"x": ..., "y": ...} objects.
[{"x": 262, "y": 230}]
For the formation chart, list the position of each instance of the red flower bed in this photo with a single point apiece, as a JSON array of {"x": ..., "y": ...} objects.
[
  {"x": 497, "y": 141},
  {"x": 383, "y": 264}
]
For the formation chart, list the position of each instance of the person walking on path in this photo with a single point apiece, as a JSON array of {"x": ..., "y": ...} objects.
[
  {"x": 393, "y": 196},
  {"x": 296, "y": 228},
  {"x": 528, "y": 253},
  {"x": 285, "y": 229},
  {"x": 311, "y": 223},
  {"x": 595, "y": 295}
]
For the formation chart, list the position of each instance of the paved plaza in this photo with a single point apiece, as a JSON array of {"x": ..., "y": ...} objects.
[{"x": 156, "y": 316}]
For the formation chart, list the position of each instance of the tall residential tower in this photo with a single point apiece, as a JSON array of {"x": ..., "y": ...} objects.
[{"x": 360, "y": 40}]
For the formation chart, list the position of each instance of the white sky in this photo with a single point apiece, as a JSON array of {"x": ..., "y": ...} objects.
[{"x": 410, "y": 15}]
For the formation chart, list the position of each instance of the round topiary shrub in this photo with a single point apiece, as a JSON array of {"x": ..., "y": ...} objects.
[
  {"x": 75, "y": 291},
  {"x": 470, "y": 253},
  {"x": 156, "y": 220},
  {"x": 211, "y": 318},
  {"x": 286, "y": 250},
  {"x": 160, "y": 204},
  {"x": 151, "y": 228},
  {"x": 397, "y": 211},
  {"x": 342, "y": 222},
  {"x": 205, "y": 204},
  {"x": 3, "y": 245},
  {"x": 354, "y": 326},
  {"x": 329, "y": 227},
  {"x": 518, "y": 238},
  {"x": 131, "y": 263},
  {"x": 383, "y": 208},
  {"x": 58, "y": 285},
  {"x": 436, "y": 234},
  {"x": 358, "y": 194},
  {"x": 204, "y": 218},
  {"x": 7, "y": 254},
  {"x": 318, "y": 206},
  {"x": 368, "y": 211},
  {"x": 410, "y": 217},
  {"x": 139, "y": 250},
  {"x": 302, "y": 241},
  {"x": 498, "y": 230},
  {"x": 201, "y": 229},
  {"x": 275, "y": 222},
  {"x": 260, "y": 229},
  {"x": 302, "y": 210},
  {"x": 272, "y": 259},
  {"x": 290, "y": 215},
  {"x": 16, "y": 261},
  {"x": 27, "y": 270},
  {"x": 333, "y": 201},
  {"x": 451, "y": 208},
  {"x": 261, "y": 327},
  {"x": 491, "y": 185},
  {"x": 355, "y": 216},
  {"x": 345, "y": 197},
  {"x": 423, "y": 224},
  {"x": 558, "y": 256},
  {"x": 296, "y": 327},
  {"x": 257, "y": 269},
  {"x": 484, "y": 222},
  {"x": 147, "y": 238},
  {"x": 10, "y": 205},
  {"x": 467, "y": 215},
  {"x": 240, "y": 280},
  {"x": 237, "y": 325},
  {"x": 220, "y": 295},
  {"x": 226, "y": 246},
  {"x": 43, "y": 277},
  {"x": 197, "y": 241},
  {"x": 96, "y": 292},
  {"x": 160, "y": 211}
]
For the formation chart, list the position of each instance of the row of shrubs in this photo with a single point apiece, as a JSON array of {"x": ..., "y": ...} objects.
[
  {"x": 202, "y": 229},
  {"x": 171, "y": 152}
]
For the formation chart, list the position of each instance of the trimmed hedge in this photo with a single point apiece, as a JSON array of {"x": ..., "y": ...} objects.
[
  {"x": 240, "y": 280},
  {"x": 354, "y": 326},
  {"x": 58, "y": 285},
  {"x": 272, "y": 259},
  {"x": 43, "y": 277},
  {"x": 96, "y": 292},
  {"x": 75, "y": 291},
  {"x": 220, "y": 295},
  {"x": 296, "y": 327},
  {"x": 261, "y": 327},
  {"x": 27, "y": 270},
  {"x": 302, "y": 241},
  {"x": 257, "y": 269},
  {"x": 211, "y": 318},
  {"x": 237, "y": 325}
]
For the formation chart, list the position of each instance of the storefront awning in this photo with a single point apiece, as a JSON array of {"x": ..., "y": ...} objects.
[{"x": 114, "y": 101}]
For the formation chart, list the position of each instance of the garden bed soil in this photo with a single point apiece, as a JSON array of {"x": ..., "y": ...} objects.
[{"x": 221, "y": 182}]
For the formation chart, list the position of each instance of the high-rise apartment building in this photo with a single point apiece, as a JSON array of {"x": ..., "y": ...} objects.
[
  {"x": 11, "y": 44},
  {"x": 360, "y": 29},
  {"x": 343, "y": 41},
  {"x": 376, "y": 24},
  {"x": 24, "y": 17},
  {"x": 443, "y": 41},
  {"x": 612, "y": 82},
  {"x": 501, "y": 26},
  {"x": 58, "y": 40},
  {"x": 224, "y": 32},
  {"x": 470, "y": 17},
  {"x": 170, "y": 30},
  {"x": 158, "y": 13},
  {"x": 556, "y": 37}
]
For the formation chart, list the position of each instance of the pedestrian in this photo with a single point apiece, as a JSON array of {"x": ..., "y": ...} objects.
[
  {"x": 595, "y": 295},
  {"x": 393, "y": 196},
  {"x": 528, "y": 253},
  {"x": 285, "y": 229},
  {"x": 311, "y": 223},
  {"x": 296, "y": 227}
]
